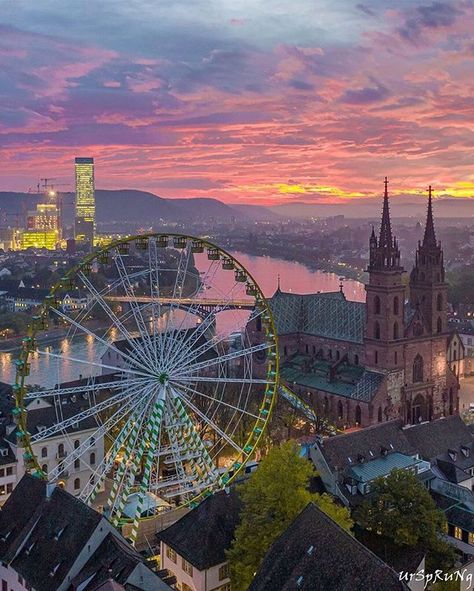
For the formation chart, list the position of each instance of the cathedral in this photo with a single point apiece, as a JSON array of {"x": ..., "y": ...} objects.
[{"x": 358, "y": 364}]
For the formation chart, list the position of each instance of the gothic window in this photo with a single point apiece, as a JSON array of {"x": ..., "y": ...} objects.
[
  {"x": 330, "y": 353},
  {"x": 76, "y": 443},
  {"x": 395, "y": 331},
  {"x": 455, "y": 355},
  {"x": 340, "y": 410},
  {"x": 92, "y": 459},
  {"x": 418, "y": 329},
  {"x": 338, "y": 355},
  {"x": 377, "y": 330},
  {"x": 379, "y": 416},
  {"x": 439, "y": 325},
  {"x": 61, "y": 450},
  {"x": 358, "y": 415},
  {"x": 307, "y": 349},
  {"x": 377, "y": 305},
  {"x": 396, "y": 305},
  {"x": 395, "y": 358},
  {"x": 77, "y": 484},
  {"x": 418, "y": 369},
  {"x": 44, "y": 452},
  {"x": 439, "y": 302},
  {"x": 356, "y": 359},
  {"x": 376, "y": 357}
]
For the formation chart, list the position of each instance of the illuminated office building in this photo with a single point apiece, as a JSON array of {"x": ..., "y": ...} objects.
[
  {"x": 85, "y": 200},
  {"x": 42, "y": 227}
]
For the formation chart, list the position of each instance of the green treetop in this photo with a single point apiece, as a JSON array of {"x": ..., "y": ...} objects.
[{"x": 275, "y": 494}]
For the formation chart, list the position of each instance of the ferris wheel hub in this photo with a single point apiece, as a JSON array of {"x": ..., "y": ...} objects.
[{"x": 163, "y": 378}]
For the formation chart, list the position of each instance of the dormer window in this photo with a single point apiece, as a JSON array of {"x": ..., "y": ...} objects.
[
  {"x": 466, "y": 451},
  {"x": 383, "y": 451},
  {"x": 57, "y": 535},
  {"x": 360, "y": 458},
  {"x": 30, "y": 548},
  {"x": 452, "y": 454},
  {"x": 54, "y": 570}
]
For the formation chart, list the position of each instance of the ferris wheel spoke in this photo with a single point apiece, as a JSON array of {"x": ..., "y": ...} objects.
[
  {"x": 187, "y": 369},
  {"x": 134, "y": 305},
  {"x": 121, "y": 370},
  {"x": 133, "y": 343},
  {"x": 183, "y": 263},
  {"x": 211, "y": 344},
  {"x": 90, "y": 442},
  {"x": 99, "y": 339},
  {"x": 89, "y": 493},
  {"x": 93, "y": 411},
  {"x": 154, "y": 279},
  {"x": 210, "y": 423},
  {"x": 190, "y": 390},
  {"x": 57, "y": 391}
]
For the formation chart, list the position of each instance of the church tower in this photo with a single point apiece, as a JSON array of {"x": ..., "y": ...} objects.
[
  {"x": 428, "y": 289},
  {"x": 385, "y": 298}
]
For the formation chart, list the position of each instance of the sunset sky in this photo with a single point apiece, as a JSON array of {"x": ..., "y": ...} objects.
[{"x": 259, "y": 101}]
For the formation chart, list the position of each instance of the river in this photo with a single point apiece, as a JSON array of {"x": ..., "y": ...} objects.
[{"x": 294, "y": 277}]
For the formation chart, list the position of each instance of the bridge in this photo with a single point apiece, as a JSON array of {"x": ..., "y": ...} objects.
[{"x": 201, "y": 306}]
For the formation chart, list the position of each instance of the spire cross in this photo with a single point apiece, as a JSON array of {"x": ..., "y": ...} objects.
[{"x": 386, "y": 187}]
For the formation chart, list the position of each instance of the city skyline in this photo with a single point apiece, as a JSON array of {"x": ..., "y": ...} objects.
[{"x": 268, "y": 105}]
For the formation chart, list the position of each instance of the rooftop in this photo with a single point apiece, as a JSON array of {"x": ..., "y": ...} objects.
[
  {"x": 327, "y": 315},
  {"x": 204, "y": 534},
  {"x": 350, "y": 381},
  {"x": 315, "y": 553},
  {"x": 372, "y": 469}
]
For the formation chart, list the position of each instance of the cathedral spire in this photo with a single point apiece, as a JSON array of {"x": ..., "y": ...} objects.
[
  {"x": 385, "y": 228},
  {"x": 429, "y": 238},
  {"x": 384, "y": 253}
]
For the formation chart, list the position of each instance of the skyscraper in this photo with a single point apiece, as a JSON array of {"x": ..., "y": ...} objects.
[{"x": 85, "y": 200}]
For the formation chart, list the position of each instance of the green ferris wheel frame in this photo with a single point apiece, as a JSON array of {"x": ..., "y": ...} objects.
[{"x": 103, "y": 255}]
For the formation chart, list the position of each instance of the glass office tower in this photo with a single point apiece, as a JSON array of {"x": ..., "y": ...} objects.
[{"x": 85, "y": 200}]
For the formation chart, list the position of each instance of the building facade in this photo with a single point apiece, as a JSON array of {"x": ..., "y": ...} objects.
[
  {"x": 358, "y": 363},
  {"x": 85, "y": 200}
]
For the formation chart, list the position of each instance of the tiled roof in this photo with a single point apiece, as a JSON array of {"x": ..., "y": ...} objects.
[
  {"x": 314, "y": 553},
  {"x": 42, "y": 537},
  {"x": 429, "y": 440},
  {"x": 204, "y": 534},
  {"x": 350, "y": 381},
  {"x": 371, "y": 469},
  {"x": 327, "y": 315}
]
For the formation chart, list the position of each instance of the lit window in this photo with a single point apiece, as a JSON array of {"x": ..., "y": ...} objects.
[
  {"x": 171, "y": 554},
  {"x": 187, "y": 567},
  {"x": 458, "y": 533}
]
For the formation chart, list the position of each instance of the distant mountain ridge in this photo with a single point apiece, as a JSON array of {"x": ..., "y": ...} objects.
[{"x": 140, "y": 207}]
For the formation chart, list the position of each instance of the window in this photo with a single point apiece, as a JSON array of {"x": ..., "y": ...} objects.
[
  {"x": 259, "y": 324},
  {"x": 379, "y": 415},
  {"x": 44, "y": 467},
  {"x": 224, "y": 571},
  {"x": 171, "y": 554},
  {"x": 377, "y": 330},
  {"x": 76, "y": 443},
  {"x": 471, "y": 538},
  {"x": 376, "y": 357},
  {"x": 439, "y": 302},
  {"x": 92, "y": 459},
  {"x": 307, "y": 349},
  {"x": 338, "y": 355},
  {"x": 377, "y": 305},
  {"x": 358, "y": 415},
  {"x": 44, "y": 452},
  {"x": 396, "y": 305},
  {"x": 330, "y": 353},
  {"x": 9, "y": 487},
  {"x": 395, "y": 331},
  {"x": 77, "y": 483},
  {"x": 458, "y": 533},
  {"x": 356, "y": 359},
  {"x": 61, "y": 450},
  {"x": 285, "y": 351},
  {"x": 418, "y": 369},
  {"x": 4, "y": 585},
  {"x": 187, "y": 567},
  {"x": 77, "y": 464},
  {"x": 395, "y": 358},
  {"x": 439, "y": 325},
  {"x": 2, "y": 472},
  {"x": 9, "y": 470}
]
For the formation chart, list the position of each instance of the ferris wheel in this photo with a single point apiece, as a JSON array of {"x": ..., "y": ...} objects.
[{"x": 173, "y": 351}]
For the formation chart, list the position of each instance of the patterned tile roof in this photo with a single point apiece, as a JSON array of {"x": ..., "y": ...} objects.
[
  {"x": 355, "y": 382},
  {"x": 327, "y": 315}
]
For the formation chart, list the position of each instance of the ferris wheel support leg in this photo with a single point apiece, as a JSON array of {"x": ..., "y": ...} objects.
[{"x": 150, "y": 439}]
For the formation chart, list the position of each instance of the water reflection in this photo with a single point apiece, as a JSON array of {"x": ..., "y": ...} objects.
[{"x": 47, "y": 371}]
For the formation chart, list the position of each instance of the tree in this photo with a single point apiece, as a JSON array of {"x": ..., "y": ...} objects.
[
  {"x": 275, "y": 494},
  {"x": 402, "y": 509}
]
